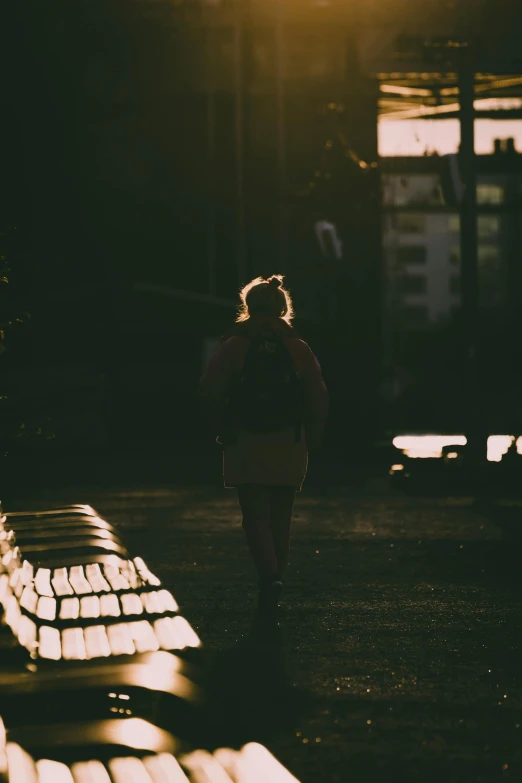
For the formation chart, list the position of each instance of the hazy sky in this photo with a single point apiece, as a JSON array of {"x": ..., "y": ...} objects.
[{"x": 412, "y": 137}]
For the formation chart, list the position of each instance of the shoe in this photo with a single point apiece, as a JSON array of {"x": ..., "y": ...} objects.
[{"x": 269, "y": 595}]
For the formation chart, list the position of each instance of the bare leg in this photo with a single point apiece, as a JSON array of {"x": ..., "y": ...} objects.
[
  {"x": 254, "y": 500},
  {"x": 281, "y": 505}
]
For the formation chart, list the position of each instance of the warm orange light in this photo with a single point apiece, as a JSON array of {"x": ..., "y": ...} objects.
[{"x": 142, "y": 735}]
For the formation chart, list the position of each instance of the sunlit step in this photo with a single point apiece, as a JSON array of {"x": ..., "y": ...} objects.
[{"x": 252, "y": 764}]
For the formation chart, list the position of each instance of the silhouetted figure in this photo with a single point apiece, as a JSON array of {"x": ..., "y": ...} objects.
[{"x": 268, "y": 403}]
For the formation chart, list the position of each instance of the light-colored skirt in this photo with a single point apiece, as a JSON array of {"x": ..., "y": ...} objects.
[{"x": 274, "y": 458}]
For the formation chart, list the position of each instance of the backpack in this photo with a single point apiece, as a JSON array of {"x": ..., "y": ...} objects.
[{"x": 268, "y": 394}]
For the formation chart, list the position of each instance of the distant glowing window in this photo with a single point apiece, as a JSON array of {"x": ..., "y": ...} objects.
[
  {"x": 488, "y": 255},
  {"x": 454, "y": 224},
  {"x": 488, "y": 226},
  {"x": 488, "y": 193}
]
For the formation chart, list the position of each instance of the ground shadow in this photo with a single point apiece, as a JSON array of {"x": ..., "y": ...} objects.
[{"x": 249, "y": 693}]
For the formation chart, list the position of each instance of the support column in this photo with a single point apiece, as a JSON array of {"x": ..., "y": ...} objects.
[
  {"x": 211, "y": 161},
  {"x": 476, "y": 438},
  {"x": 281, "y": 134},
  {"x": 239, "y": 86}
]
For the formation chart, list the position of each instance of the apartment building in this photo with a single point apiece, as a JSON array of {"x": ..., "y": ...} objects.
[{"x": 421, "y": 240}]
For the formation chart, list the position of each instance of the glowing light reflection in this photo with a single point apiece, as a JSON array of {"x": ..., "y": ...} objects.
[
  {"x": 50, "y": 644},
  {"x": 70, "y": 609},
  {"x": 144, "y": 637},
  {"x": 96, "y": 579},
  {"x": 205, "y": 768},
  {"x": 46, "y": 609},
  {"x": 164, "y": 768},
  {"x": 73, "y": 644},
  {"x": 42, "y": 582},
  {"x": 169, "y": 603},
  {"x": 498, "y": 445},
  {"x": 90, "y": 606},
  {"x": 109, "y": 606},
  {"x": 27, "y": 633},
  {"x": 20, "y": 764},
  {"x": 189, "y": 635},
  {"x": 256, "y": 756},
  {"x": 140, "y": 734},
  {"x": 61, "y": 583},
  {"x": 426, "y": 446},
  {"x": 53, "y": 772},
  {"x": 29, "y": 600},
  {"x": 131, "y": 604},
  {"x": 96, "y": 642},
  {"x": 120, "y": 639},
  {"x": 128, "y": 770},
  {"x": 78, "y": 580},
  {"x": 90, "y": 772},
  {"x": 116, "y": 579}
]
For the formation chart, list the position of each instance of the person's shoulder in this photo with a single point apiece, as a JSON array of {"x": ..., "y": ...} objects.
[
  {"x": 297, "y": 344},
  {"x": 300, "y": 350},
  {"x": 233, "y": 347},
  {"x": 234, "y": 342}
]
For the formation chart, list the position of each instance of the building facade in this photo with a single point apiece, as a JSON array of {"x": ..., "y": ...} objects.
[{"x": 421, "y": 240}]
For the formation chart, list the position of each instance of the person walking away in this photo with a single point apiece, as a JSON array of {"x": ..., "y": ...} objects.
[{"x": 267, "y": 402}]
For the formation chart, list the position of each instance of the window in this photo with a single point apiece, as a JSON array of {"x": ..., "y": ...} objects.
[
  {"x": 415, "y": 316},
  {"x": 488, "y": 226},
  {"x": 414, "y": 284},
  {"x": 488, "y": 255},
  {"x": 454, "y": 224},
  {"x": 411, "y": 254},
  {"x": 410, "y": 223},
  {"x": 412, "y": 189},
  {"x": 490, "y": 194},
  {"x": 454, "y": 285}
]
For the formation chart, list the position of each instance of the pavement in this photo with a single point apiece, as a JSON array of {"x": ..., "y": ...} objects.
[{"x": 397, "y": 654}]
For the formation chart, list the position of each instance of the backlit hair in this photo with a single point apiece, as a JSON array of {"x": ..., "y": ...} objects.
[{"x": 265, "y": 297}]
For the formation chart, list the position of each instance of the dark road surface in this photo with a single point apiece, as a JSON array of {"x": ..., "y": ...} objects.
[{"x": 399, "y": 650}]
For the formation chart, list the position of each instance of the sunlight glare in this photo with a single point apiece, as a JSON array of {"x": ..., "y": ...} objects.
[{"x": 426, "y": 446}]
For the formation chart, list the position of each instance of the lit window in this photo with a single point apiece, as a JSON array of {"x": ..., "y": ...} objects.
[
  {"x": 490, "y": 194},
  {"x": 488, "y": 255},
  {"x": 410, "y": 223},
  {"x": 488, "y": 226},
  {"x": 413, "y": 189},
  {"x": 454, "y": 224}
]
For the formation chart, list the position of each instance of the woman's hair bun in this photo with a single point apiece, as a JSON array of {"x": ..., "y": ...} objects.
[{"x": 275, "y": 282}]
